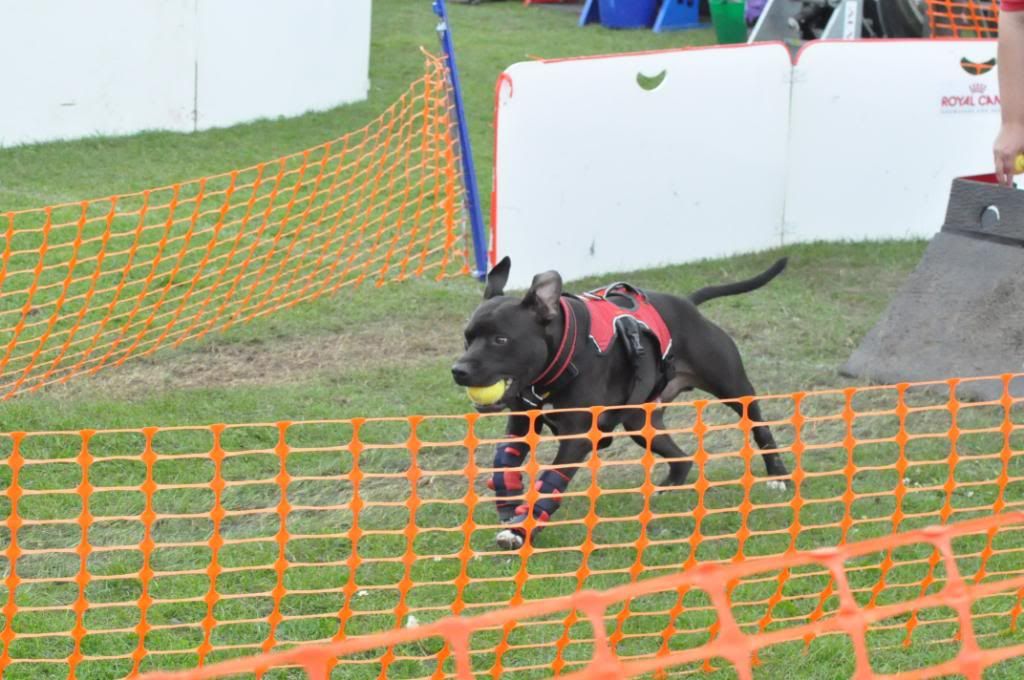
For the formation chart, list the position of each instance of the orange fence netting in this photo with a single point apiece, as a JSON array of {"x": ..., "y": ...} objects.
[
  {"x": 729, "y": 641},
  {"x": 90, "y": 284},
  {"x": 127, "y": 551},
  {"x": 963, "y": 18}
]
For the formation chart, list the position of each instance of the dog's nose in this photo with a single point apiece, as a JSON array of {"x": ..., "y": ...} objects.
[{"x": 460, "y": 374}]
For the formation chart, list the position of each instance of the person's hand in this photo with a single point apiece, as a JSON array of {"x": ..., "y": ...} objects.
[{"x": 1009, "y": 144}]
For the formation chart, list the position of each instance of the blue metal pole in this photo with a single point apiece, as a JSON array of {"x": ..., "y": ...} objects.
[{"x": 476, "y": 218}]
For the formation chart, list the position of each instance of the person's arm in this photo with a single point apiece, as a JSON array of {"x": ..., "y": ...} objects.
[{"x": 1010, "y": 141}]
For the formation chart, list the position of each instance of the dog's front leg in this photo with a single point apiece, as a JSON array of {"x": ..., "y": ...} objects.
[
  {"x": 551, "y": 484},
  {"x": 507, "y": 479}
]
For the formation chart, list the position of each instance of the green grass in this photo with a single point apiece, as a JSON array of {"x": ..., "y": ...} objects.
[{"x": 386, "y": 352}]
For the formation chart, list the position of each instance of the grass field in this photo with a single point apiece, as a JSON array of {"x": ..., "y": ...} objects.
[{"x": 386, "y": 352}]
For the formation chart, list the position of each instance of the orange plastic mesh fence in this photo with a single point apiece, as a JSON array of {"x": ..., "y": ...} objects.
[
  {"x": 964, "y": 18},
  {"x": 90, "y": 284},
  {"x": 732, "y": 640},
  {"x": 126, "y": 551}
]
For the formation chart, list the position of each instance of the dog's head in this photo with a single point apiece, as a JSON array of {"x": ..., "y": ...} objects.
[{"x": 507, "y": 338}]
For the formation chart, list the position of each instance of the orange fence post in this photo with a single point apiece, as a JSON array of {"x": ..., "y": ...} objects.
[{"x": 13, "y": 552}]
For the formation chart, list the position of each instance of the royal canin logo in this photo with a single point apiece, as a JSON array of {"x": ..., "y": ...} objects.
[{"x": 976, "y": 98}]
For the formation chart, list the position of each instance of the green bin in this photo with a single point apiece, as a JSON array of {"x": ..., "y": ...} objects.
[{"x": 727, "y": 17}]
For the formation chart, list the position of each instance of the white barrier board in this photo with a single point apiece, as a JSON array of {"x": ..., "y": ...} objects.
[
  {"x": 596, "y": 174},
  {"x": 880, "y": 129},
  {"x": 74, "y": 69},
  {"x": 284, "y": 59}
]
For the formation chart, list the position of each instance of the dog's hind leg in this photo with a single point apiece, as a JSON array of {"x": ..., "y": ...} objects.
[
  {"x": 762, "y": 433},
  {"x": 766, "y": 442},
  {"x": 663, "y": 445}
]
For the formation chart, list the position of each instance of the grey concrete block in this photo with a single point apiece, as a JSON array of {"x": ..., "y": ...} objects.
[{"x": 961, "y": 312}]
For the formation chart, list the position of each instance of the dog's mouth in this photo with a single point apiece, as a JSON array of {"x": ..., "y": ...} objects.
[{"x": 503, "y": 401}]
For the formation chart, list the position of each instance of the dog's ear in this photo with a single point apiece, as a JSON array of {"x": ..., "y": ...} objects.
[
  {"x": 497, "y": 278},
  {"x": 544, "y": 294}
]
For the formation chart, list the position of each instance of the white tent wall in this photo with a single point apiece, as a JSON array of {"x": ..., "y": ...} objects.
[
  {"x": 74, "y": 69},
  {"x": 737, "y": 150}
]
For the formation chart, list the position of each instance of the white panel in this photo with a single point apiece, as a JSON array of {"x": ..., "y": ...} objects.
[
  {"x": 264, "y": 58},
  {"x": 109, "y": 67},
  {"x": 73, "y": 68},
  {"x": 598, "y": 175},
  {"x": 879, "y": 130}
]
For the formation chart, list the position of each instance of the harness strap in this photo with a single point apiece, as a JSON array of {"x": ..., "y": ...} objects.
[{"x": 560, "y": 371}]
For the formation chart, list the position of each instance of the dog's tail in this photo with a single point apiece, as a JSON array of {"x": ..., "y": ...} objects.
[{"x": 711, "y": 292}]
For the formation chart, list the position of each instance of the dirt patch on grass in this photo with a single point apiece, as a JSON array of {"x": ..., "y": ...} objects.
[{"x": 221, "y": 364}]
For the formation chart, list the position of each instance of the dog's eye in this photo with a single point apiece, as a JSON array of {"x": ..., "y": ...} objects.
[{"x": 500, "y": 340}]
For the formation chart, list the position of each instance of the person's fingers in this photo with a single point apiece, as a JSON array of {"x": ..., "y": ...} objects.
[
  {"x": 997, "y": 160},
  {"x": 1006, "y": 167},
  {"x": 997, "y": 157},
  {"x": 1010, "y": 167}
]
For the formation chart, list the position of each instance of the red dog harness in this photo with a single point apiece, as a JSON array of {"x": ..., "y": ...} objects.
[
  {"x": 609, "y": 305},
  {"x": 618, "y": 309}
]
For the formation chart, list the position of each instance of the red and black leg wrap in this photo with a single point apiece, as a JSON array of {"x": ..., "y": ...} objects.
[
  {"x": 551, "y": 485},
  {"x": 507, "y": 480}
]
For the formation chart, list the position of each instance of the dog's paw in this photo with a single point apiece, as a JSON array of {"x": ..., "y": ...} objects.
[
  {"x": 780, "y": 485},
  {"x": 670, "y": 483},
  {"x": 509, "y": 539}
]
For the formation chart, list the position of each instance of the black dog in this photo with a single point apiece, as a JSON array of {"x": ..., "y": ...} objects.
[{"x": 614, "y": 347}]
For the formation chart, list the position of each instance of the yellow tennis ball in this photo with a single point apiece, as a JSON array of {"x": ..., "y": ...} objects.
[
  {"x": 485, "y": 396},
  {"x": 1018, "y": 165}
]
